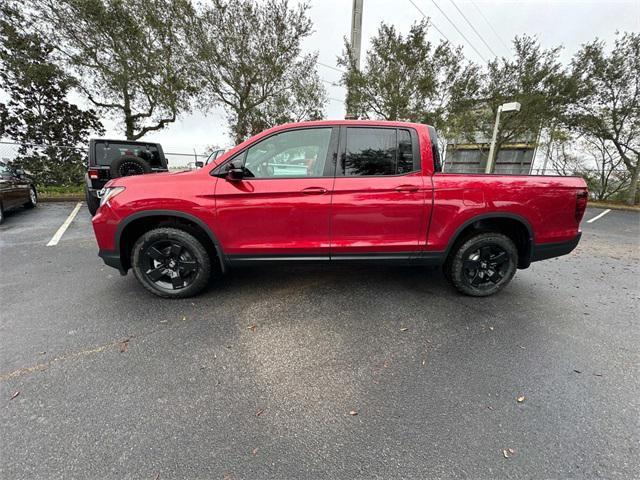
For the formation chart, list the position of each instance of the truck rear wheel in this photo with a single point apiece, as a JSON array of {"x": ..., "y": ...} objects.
[
  {"x": 483, "y": 265},
  {"x": 171, "y": 263}
]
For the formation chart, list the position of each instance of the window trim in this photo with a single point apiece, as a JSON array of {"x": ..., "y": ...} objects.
[
  {"x": 415, "y": 150},
  {"x": 330, "y": 161}
]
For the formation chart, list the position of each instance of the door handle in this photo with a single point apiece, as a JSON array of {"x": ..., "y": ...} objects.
[
  {"x": 314, "y": 191},
  {"x": 407, "y": 188}
]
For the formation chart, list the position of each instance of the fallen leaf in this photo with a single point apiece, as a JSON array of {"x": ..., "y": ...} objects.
[
  {"x": 254, "y": 451},
  {"x": 252, "y": 327},
  {"x": 489, "y": 407},
  {"x": 227, "y": 476},
  {"x": 404, "y": 329},
  {"x": 184, "y": 318},
  {"x": 491, "y": 328},
  {"x": 156, "y": 477},
  {"x": 522, "y": 347},
  {"x": 424, "y": 362},
  {"x": 597, "y": 374},
  {"x": 259, "y": 412},
  {"x": 353, "y": 413},
  {"x": 15, "y": 395},
  {"x": 577, "y": 371},
  {"x": 124, "y": 345},
  {"x": 41, "y": 353},
  {"x": 508, "y": 452},
  {"x": 520, "y": 399}
]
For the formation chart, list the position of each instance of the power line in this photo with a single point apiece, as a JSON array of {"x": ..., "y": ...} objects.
[
  {"x": 458, "y": 30},
  {"x": 331, "y": 67},
  {"x": 333, "y": 84},
  {"x": 430, "y": 21},
  {"x": 490, "y": 26},
  {"x": 473, "y": 28}
]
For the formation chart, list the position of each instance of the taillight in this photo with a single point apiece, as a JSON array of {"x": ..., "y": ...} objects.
[
  {"x": 581, "y": 205},
  {"x": 93, "y": 174}
]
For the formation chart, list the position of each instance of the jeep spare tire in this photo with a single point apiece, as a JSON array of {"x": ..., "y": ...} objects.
[{"x": 128, "y": 165}]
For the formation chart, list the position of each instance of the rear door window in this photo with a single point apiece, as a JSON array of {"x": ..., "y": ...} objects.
[{"x": 378, "y": 152}]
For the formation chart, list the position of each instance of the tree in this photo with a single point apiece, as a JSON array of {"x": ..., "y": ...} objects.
[
  {"x": 248, "y": 59},
  {"x": 409, "y": 78},
  {"x": 609, "y": 178},
  {"x": 131, "y": 56},
  {"x": 607, "y": 105},
  {"x": 37, "y": 114},
  {"x": 536, "y": 79}
]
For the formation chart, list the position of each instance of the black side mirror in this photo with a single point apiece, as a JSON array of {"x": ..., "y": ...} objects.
[
  {"x": 19, "y": 172},
  {"x": 199, "y": 164},
  {"x": 234, "y": 174}
]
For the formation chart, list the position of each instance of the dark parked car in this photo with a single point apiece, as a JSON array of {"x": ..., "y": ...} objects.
[
  {"x": 16, "y": 190},
  {"x": 119, "y": 158}
]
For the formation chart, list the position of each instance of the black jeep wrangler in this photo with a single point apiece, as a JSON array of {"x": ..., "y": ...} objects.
[{"x": 119, "y": 158}]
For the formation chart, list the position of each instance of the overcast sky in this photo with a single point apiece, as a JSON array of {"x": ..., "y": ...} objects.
[{"x": 569, "y": 23}]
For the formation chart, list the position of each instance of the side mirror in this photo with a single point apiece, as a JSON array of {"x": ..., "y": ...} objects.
[
  {"x": 199, "y": 164},
  {"x": 234, "y": 174},
  {"x": 19, "y": 172}
]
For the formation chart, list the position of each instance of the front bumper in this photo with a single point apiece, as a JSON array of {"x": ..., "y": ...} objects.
[
  {"x": 112, "y": 259},
  {"x": 544, "y": 251}
]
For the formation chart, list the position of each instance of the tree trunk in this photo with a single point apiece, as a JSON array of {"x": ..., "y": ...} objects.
[
  {"x": 242, "y": 129},
  {"x": 128, "y": 121},
  {"x": 633, "y": 187}
]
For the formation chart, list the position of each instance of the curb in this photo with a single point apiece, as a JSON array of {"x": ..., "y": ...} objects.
[
  {"x": 70, "y": 198},
  {"x": 614, "y": 206}
]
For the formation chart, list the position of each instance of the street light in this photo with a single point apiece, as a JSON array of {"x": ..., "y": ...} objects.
[{"x": 505, "y": 107}]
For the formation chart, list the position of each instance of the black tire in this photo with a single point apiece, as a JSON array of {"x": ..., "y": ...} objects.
[
  {"x": 1, "y": 214},
  {"x": 33, "y": 197},
  {"x": 483, "y": 265},
  {"x": 128, "y": 165},
  {"x": 92, "y": 202},
  {"x": 171, "y": 263}
]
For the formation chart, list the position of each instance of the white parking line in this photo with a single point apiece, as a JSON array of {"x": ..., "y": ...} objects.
[
  {"x": 63, "y": 228},
  {"x": 599, "y": 216}
]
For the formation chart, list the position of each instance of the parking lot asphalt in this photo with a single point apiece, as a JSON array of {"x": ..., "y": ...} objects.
[{"x": 317, "y": 372}]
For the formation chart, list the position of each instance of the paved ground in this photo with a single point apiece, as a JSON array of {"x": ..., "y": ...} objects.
[{"x": 433, "y": 376}]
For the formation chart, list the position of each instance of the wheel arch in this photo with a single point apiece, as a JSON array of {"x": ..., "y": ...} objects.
[
  {"x": 514, "y": 226},
  {"x": 137, "y": 224}
]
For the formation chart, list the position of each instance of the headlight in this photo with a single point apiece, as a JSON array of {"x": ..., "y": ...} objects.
[{"x": 109, "y": 192}]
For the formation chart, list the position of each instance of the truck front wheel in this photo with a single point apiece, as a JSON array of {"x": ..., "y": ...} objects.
[
  {"x": 483, "y": 265},
  {"x": 171, "y": 263}
]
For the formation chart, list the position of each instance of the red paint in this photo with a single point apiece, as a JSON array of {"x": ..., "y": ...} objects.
[{"x": 416, "y": 212}]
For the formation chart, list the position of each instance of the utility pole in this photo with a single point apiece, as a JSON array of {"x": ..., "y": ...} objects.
[
  {"x": 356, "y": 43},
  {"x": 356, "y": 31}
]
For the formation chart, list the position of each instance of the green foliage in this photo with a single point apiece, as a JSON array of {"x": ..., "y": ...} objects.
[
  {"x": 607, "y": 105},
  {"x": 130, "y": 56},
  {"x": 249, "y": 61},
  {"x": 536, "y": 79},
  {"x": 409, "y": 78},
  {"x": 37, "y": 114}
]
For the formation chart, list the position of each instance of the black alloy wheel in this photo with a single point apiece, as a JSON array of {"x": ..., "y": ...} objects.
[
  {"x": 483, "y": 265},
  {"x": 171, "y": 263},
  {"x": 487, "y": 265}
]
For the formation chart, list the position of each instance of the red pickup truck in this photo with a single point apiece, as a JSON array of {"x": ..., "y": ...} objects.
[{"x": 335, "y": 191}]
